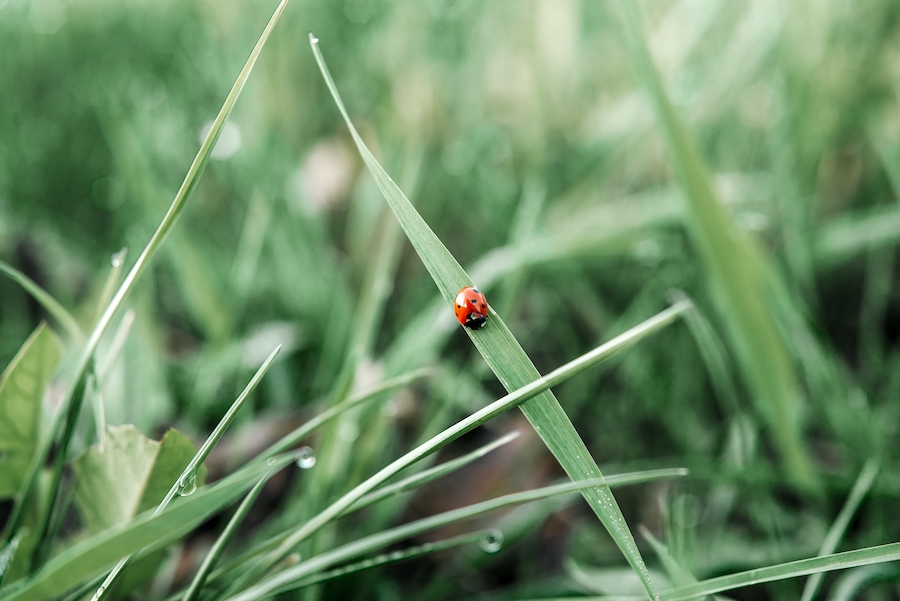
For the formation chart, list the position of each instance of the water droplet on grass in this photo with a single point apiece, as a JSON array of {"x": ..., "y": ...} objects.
[
  {"x": 493, "y": 542},
  {"x": 306, "y": 458},
  {"x": 188, "y": 484}
]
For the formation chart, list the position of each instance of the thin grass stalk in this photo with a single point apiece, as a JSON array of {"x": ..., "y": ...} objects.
[
  {"x": 859, "y": 491},
  {"x": 222, "y": 541},
  {"x": 189, "y": 473}
]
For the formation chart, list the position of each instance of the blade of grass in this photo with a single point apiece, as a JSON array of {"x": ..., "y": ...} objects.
[
  {"x": 501, "y": 351},
  {"x": 298, "y": 434},
  {"x": 375, "y": 541},
  {"x": 474, "y": 420},
  {"x": 117, "y": 261},
  {"x": 736, "y": 270},
  {"x": 433, "y": 473},
  {"x": 221, "y": 542},
  {"x": 50, "y": 304},
  {"x": 783, "y": 571},
  {"x": 189, "y": 473},
  {"x": 860, "y": 489},
  {"x": 389, "y": 558},
  {"x": 64, "y": 421}
]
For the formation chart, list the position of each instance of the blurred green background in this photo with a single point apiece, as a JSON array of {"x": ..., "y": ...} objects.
[{"x": 521, "y": 133}]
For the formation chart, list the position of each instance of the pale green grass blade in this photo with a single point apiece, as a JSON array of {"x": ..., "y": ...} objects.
[
  {"x": 736, "y": 270},
  {"x": 117, "y": 261},
  {"x": 433, "y": 473},
  {"x": 860, "y": 489},
  {"x": 793, "y": 569},
  {"x": 379, "y": 540},
  {"x": 67, "y": 413},
  {"x": 189, "y": 474},
  {"x": 221, "y": 542},
  {"x": 850, "y": 235},
  {"x": 501, "y": 351},
  {"x": 389, "y": 558},
  {"x": 52, "y": 306},
  {"x": 298, "y": 434},
  {"x": 509, "y": 401},
  {"x": 87, "y": 558}
]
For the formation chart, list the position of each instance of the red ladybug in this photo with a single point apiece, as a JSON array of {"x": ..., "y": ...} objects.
[{"x": 471, "y": 308}]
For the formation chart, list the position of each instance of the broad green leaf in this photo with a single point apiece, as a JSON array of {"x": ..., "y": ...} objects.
[
  {"x": 128, "y": 476},
  {"x": 92, "y": 556},
  {"x": 736, "y": 268},
  {"x": 21, "y": 393},
  {"x": 502, "y": 352}
]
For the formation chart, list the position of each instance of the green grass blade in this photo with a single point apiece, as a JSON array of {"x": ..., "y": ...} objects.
[
  {"x": 860, "y": 489},
  {"x": 433, "y": 473},
  {"x": 189, "y": 474},
  {"x": 50, "y": 304},
  {"x": 735, "y": 268},
  {"x": 793, "y": 569},
  {"x": 117, "y": 262},
  {"x": 501, "y": 351},
  {"x": 221, "y": 542},
  {"x": 89, "y": 557},
  {"x": 298, "y": 434},
  {"x": 389, "y": 558},
  {"x": 379, "y": 540},
  {"x": 509, "y": 401}
]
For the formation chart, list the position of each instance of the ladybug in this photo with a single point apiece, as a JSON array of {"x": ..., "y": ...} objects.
[{"x": 471, "y": 308}]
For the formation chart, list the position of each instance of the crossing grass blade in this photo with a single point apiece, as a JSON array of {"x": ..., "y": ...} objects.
[
  {"x": 860, "y": 488},
  {"x": 501, "y": 351},
  {"x": 66, "y": 416},
  {"x": 783, "y": 571},
  {"x": 190, "y": 471},
  {"x": 737, "y": 271}
]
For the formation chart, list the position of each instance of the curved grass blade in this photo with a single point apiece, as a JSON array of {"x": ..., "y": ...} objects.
[
  {"x": 501, "y": 351},
  {"x": 189, "y": 473},
  {"x": 860, "y": 489},
  {"x": 50, "y": 304},
  {"x": 376, "y": 541},
  {"x": 783, "y": 571},
  {"x": 67, "y": 414},
  {"x": 221, "y": 542},
  {"x": 471, "y": 422},
  {"x": 736, "y": 270},
  {"x": 390, "y": 558},
  {"x": 433, "y": 473},
  {"x": 289, "y": 440}
]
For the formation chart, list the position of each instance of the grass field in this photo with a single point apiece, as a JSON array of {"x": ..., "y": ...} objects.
[{"x": 699, "y": 194}]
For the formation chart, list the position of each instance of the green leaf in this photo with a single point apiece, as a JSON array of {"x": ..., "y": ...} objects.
[
  {"x": 502, "y": 352},
  {"x": 128, "y": 476},
  {"x": 147, "y": 532},
  {"x": 21, "y": 393},
  {"x": 736, "y": 268}
]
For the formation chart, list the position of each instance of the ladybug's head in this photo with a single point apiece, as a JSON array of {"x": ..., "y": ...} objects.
[{"x": 474, "y": 321}]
